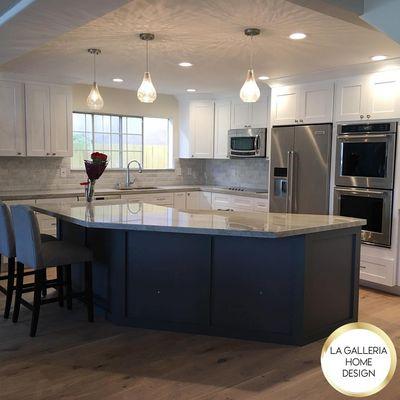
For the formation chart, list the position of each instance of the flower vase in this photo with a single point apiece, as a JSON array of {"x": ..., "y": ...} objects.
[{"x": 90, "y": 190}]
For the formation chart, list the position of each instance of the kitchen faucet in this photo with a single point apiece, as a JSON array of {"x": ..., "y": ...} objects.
[{"x": 130, "y": 182}]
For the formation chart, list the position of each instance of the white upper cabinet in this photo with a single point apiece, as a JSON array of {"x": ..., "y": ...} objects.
[
  {"x": 309, "y": 103},
  {"x": 201, "y": 125},
  {"x": 367, "y": 97},
  {"x": 249, "y": 115},
  {"x": 61, "y": 121},
  {"x": 384, "y": 100},
  {"x": 241, "y": 115},
  {"x": 284, "y": 105},
  {"x": 37, "y": 100},
  {"x": 48, "y": 120},
  {"x": 222, "y": 126},
  {"x": 12, "y": 119},
  {"x": 351, "y": 99},
  {"x": 316, "y": 103}
]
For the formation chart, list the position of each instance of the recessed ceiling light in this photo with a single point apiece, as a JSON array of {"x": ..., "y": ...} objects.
[
  {"x": 185, "y": 64},
  {"x": 297, "y": 36},
  {"x": 118, "y": 80},
  {"x": 378, "y": 58},
  {"x": 191, "y": 90},
  {"x": 263, "y": 78}
]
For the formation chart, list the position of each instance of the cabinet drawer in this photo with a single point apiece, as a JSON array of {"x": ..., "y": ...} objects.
[
  {"x": 164, "y": 199},
  {"x": 377, "y": 270},
  {"x": 221, "y": 201},
  {"x": 241, "y": 203}
]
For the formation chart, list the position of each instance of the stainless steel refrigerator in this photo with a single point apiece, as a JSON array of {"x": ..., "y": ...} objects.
[{"x": 300, "y": 169}]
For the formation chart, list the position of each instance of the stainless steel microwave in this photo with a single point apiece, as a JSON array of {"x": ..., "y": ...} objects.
[{"x": 247, "y": 143}]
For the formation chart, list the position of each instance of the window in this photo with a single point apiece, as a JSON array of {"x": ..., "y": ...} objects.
[{"x": 122, "y": 138}]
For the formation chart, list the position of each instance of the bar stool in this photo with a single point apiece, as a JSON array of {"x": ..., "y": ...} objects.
[
  {"x": 36, "y": 254},
  {"x": 7, "y": 249}
]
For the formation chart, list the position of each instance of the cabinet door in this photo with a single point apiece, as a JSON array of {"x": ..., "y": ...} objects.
[
  {"x": 383, "y": 98},
  {"x": 180, "y": 200},
  {"x": 168, "y": 284},
  {"x": 316, "y": 103},
  {"x": 37, "y": 99},
  {"x": 351, "y": 99},
  {"x": 285, "y": 105},
  {"x": 241, "y": 115},
  {"x": 12, "y": 119},
  {"x": 61, "y": 121},
  {"x": 192, "y": 200},
  {"x": 259, "y": 114},
  {"x": 222, "y": 126},
  {"x": 202, "y": 129},
  {"x": 205, "y": 200}
]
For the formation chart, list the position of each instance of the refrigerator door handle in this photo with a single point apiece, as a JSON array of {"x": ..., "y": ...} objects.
[{"x": 291, "y": 200}]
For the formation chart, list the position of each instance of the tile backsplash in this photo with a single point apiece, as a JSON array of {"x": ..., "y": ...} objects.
[{"x": 38, "y": 174}]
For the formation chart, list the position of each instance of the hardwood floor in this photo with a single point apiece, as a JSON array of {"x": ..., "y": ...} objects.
[{"x": 72, "y": 359}]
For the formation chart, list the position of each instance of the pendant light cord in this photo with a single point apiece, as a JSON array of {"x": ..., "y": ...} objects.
[
  {"x": 251, "y": 52},
  {"x": 147, "y": 56},
  {"x": 94, "y": 67}
]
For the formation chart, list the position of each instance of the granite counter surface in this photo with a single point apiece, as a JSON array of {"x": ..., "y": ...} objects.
[
  {"x": 54, "y": 194},
  {"x": 125, "y": 215}
]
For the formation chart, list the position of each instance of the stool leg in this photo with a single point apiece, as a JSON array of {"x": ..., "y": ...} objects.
[
  {"x": 10, "y": 286},
  {"x": 18, "y": 291},
  {"x": 89, "y": 290},
  {"x": 60, "y": 289},
  {"x": 44, "y": 290},
  {"x": 68, "y": 284},
  {"x": 40, "y": 279}
]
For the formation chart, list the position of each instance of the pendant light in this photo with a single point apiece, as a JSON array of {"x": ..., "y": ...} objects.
[
  {"x": 94, "y": 100},
  {"x": 147, "y": 92},
  {"x": 250, "y": 92}
]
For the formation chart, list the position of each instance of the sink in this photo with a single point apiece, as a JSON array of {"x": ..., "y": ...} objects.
[{"x": 137, "y": 187}]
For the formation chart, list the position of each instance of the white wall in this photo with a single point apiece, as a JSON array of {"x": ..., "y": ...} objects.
[{"x": 125, "y": 102}]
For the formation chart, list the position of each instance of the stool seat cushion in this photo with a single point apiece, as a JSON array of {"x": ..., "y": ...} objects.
[{"x": 60, "y": 252}]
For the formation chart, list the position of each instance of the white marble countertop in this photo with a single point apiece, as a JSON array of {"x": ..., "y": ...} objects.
[
  {"x": 121, "y": 214},
  {"x": 53, "y": 194}
]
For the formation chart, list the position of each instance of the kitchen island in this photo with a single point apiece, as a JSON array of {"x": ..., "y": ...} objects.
[{"x": 284, "y": 278}]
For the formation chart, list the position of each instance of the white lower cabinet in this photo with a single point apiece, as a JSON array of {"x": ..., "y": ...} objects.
[
  {"x": 378, "y": 270},
  {"x": 221, "y": 202},
  {"x": 229, "y": 202},
  {"x": 198, "y": 200}
]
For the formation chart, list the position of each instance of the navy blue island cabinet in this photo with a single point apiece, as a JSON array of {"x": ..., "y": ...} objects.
[{"x": 287, "y": 289}]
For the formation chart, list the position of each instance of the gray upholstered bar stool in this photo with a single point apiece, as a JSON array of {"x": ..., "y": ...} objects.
[
  {"x": 7, "y": 249},
  {"x": 34, "y": 253}
]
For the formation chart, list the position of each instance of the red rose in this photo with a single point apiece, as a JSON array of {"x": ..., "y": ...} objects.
[{"x": 96, "y": 156}]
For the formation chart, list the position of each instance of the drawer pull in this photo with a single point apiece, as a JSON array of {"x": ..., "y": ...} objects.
[{"x": 362, "y": 267}]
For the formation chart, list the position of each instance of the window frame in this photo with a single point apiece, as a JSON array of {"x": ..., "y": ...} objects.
[{"x": 120, "y": 133}]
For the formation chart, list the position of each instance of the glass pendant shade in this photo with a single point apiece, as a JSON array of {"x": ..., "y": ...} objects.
[
  {"x": 94, "y": 100},
  {"x": 250, "y": 91},
  {"x": 147, "y": 92}
]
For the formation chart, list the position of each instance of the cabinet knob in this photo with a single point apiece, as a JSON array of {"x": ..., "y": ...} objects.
[
  {"x": 368, "y": 116},
  {"x": 192, "y": 155},
  {"x": 296, "y": 121},
  {"x": 18, "y": 154},
  {"x": 361, "y": 116},
  {"x": 301, "y": 120},
  {"x": 48, "y": 154},
  {"x": 54, "y": 154}
]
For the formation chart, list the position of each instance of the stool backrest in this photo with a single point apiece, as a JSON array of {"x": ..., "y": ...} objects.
[
  {"x": 27, "y": 236},
  {"x": 7, "y": 241}
]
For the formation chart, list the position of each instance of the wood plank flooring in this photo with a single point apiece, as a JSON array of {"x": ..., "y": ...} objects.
[{"x": 72, "y": 359}]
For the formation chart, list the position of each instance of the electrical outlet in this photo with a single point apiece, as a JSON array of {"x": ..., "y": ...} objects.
[
  {"x": 178, "y": 171},
  {"x": 63, "y": 172},
  {"x": 189, "y": 171}
]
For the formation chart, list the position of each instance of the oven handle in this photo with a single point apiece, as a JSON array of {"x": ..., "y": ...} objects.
[
  {"x": 355, "y": 191},
  {"x": 376, "y": 136},
  {"x": 244, "y": 151}
]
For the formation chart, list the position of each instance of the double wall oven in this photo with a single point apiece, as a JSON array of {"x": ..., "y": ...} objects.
[{"x": 364, "y": 181}]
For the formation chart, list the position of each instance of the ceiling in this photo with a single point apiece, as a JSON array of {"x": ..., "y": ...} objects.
[{"x": 209, "y": 34}]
